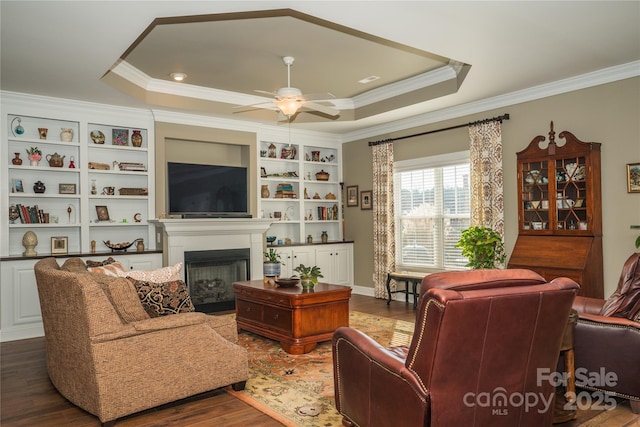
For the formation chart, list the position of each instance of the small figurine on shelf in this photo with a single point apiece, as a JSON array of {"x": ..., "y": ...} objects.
[
  {"x": 116, "y": 166},
  {"x": 93, "y": 246},
  {"x": 72, "y": 165}
]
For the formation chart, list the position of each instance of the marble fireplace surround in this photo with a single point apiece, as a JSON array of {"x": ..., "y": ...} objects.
[{"x": 201, "y": 234}]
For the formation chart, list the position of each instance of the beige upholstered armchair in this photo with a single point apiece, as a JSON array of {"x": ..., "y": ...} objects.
[{"x": 105, "y": 355}]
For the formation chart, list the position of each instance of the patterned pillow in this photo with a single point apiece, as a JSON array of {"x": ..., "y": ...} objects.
[
  {"x": 165, "y": 274},
  {"x": 113, "y": 269},
  {"x": 161, "y": 299},
  {"x": 109, "y": 260}
]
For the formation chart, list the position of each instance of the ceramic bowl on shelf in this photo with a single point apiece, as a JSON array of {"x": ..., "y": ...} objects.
[{"x": 97, "y": 137}]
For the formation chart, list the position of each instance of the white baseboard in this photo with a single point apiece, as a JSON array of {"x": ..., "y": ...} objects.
[{"x": 21, "y": 332}]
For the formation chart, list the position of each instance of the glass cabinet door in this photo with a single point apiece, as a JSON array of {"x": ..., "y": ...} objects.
[
  {"x": 571, "y": 193},
  {"x": 535, "y": 195}
]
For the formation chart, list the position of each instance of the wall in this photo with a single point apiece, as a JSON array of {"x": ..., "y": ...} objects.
[
  {"x": 198, "y": 144},
  {"x": 607, "y": 114}
]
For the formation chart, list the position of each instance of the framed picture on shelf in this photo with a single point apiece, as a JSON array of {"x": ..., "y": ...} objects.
[
  {"x": 352, "y": 195},
  {"x": 263, "y": 172},
  {"x": 121, "y": 137},
  {"x": 633, "y": 178},
  {"x": 66, "y": 188},
  {"x": 60, "y": 245},
  {"x": 16, "y": 186},
  {"x": 103, "y": 213},
  {"x": 366, "y": 200}
]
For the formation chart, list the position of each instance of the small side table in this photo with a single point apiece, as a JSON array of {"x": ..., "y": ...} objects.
[
  {"x": 560, "y": 414},
  {"x": 411, "y": 281}
]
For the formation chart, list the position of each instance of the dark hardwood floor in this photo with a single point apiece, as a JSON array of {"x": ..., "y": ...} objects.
[{"x": 27, "y": 397}]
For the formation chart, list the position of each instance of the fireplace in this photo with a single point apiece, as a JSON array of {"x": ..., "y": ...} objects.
[{"x": 210, "y": 274}]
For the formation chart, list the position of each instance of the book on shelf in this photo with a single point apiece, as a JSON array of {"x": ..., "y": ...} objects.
[{"x": 132, "y": 167}]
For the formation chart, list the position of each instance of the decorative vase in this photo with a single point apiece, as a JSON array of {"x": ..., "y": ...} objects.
[
  {"x": 140, "y": 245},
  {"x": 34, "y": 162},
  {"x": 66, "y": 134},
  {"x": 136, "y": 138},
  {"x": 39, "y": 187},
  {"x": 324, "y": 237},
  {"x": 16, "y": 160},
  {"x": 265, "y": 192},
  {"x": 307, "y": 283},
  {"x": 29, "y": 241},
  {"x": 309, "y": 239}
]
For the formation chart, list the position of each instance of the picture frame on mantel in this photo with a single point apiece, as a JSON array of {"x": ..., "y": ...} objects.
[{"x": 633, "y": 178}]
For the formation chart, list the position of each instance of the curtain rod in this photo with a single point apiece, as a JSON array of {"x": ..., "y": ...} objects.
[{"x": 477, "y": 122}]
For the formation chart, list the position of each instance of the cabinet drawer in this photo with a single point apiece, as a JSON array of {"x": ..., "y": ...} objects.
[
  {"x": 248, "y": 310},
  {"x": 278, "y": 318}
]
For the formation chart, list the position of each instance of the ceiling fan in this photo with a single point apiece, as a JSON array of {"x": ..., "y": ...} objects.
[{"x": 289, "y": 100}]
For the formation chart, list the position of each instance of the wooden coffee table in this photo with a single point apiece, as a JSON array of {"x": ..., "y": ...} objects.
[{"x": 299, "y": 320}]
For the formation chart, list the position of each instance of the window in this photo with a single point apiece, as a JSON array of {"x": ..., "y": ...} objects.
[{"x": 432, "y": 207}]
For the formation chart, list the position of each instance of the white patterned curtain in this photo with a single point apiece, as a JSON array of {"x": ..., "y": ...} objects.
[
  {"x": 487, "y": 191},
  {"x": 384, "y": 231}
]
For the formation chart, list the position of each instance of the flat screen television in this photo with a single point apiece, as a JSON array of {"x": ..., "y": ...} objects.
[{"x": 196, "y": 190}]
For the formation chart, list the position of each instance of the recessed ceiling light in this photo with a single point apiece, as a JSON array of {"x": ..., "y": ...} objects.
[
  {"x": 369, "y": 79},
  {"x": 178, "y": 76}
]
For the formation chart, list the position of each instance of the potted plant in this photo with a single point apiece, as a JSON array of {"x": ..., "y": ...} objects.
[
  {"x": 35, "y": 155},
  {"x": 482, "y": 246},
  {"x": 308, "y": 275},
  {"x": 272, "y": 263}
]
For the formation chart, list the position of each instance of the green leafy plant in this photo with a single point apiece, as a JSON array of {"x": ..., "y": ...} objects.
[
  {"x": 482, "y": 246},
  {"x": 305, "y": 272},
  {"x": 637, "y": 242},
  {"x": 272, "y": 256}
]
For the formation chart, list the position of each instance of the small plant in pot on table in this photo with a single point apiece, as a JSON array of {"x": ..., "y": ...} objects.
[
  {"x": 272, "y": 264},
  {"x": 308, "y": 275}
]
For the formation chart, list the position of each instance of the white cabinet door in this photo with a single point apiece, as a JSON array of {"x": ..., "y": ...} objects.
[
  {"x": 336, "y": 263},
  {"x": 342, "y": 265},
  {"x": 294, "y": 256}
]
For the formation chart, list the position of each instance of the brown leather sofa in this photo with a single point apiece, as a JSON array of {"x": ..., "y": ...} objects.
[
  {"x": 607, "y": 337},
  {"x": 112, "y": 367},
  {"x": 480, "y": 339}
]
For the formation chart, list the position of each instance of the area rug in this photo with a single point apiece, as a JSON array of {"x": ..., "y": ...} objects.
[{"x": 297, "y": 390}]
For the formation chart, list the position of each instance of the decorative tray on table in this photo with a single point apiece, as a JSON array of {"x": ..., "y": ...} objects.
[{"x": 287, "y": 282}]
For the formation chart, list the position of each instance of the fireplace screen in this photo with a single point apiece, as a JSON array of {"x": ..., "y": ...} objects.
[{"x": 210, "y": 276}]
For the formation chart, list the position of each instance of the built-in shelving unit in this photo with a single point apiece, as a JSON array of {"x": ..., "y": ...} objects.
[
  {"x": 300, "y": 186},
  {"x": 76, "y": 170}
]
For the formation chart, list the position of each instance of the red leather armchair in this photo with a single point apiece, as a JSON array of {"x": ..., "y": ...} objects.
[
  {"x": 607, "y": 337},
  {"x": 480, "y": 339}
]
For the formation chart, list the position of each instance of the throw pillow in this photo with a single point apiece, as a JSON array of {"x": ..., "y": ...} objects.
[
  {"x": 123, "y": 296},
  {"x": 113, "y": 269},
  {"x": 161, "y": 299},
  {"x": 107, "y": 261},
  {"x": 164, "y": 274},
  {"x": 74, "y": 265}
]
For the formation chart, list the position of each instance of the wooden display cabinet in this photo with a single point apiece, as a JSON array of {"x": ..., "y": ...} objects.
[{"x": 560, "y": 211}]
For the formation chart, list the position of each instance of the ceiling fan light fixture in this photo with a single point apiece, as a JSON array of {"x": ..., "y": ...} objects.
[
  {"x": 178, "y": 76},
  {"x": 288, "y": 106}
]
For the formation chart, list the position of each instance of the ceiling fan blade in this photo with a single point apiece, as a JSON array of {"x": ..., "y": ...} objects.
[
  {"x": 263, "y": 105},
  {"x": 318, "y": 96},
  {"x": 321, "y": 108},
  {"x": 265, "y": 92}
]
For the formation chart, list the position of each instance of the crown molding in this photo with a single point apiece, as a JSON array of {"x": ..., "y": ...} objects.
[{"x": 596, "y": 78}]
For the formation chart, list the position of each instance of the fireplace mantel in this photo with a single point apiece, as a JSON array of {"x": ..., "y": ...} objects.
[{"x": 196, "y": 234}]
